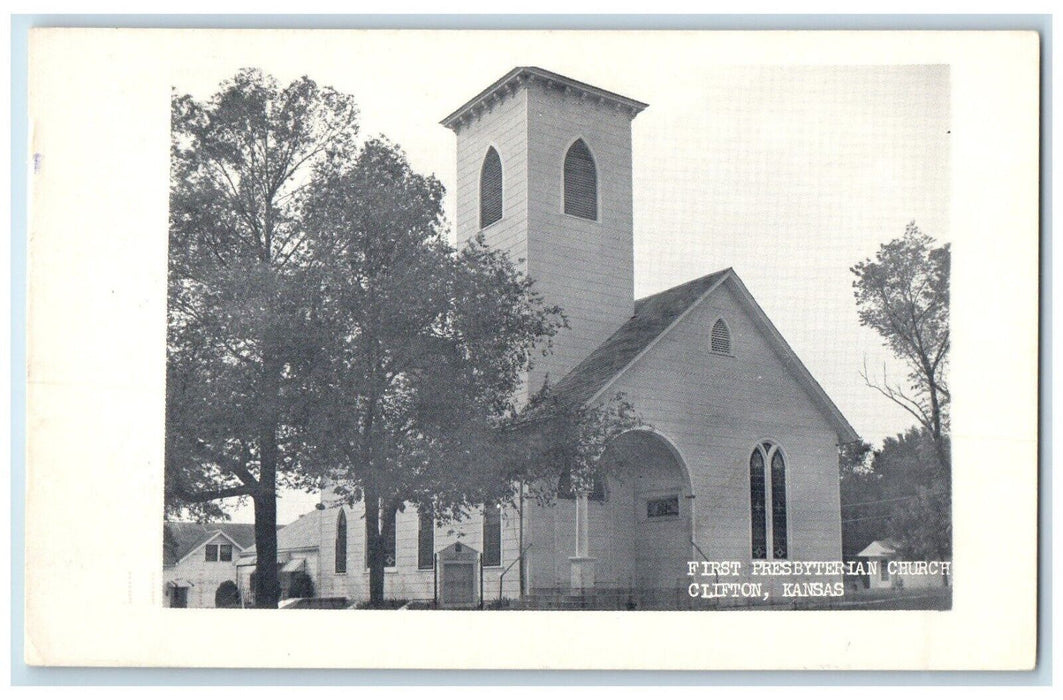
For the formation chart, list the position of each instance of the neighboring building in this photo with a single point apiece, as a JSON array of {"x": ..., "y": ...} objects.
[
  {"x": 298, "y": 559},
  {"x": 199, "y": 563},
  {"x": 880, "y": 554},
  {"x": 739, "y": 459}
]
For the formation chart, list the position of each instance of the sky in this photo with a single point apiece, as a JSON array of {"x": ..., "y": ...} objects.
[{"x": 788, "y": 173}]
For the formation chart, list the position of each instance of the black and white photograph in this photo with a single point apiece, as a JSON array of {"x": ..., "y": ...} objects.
[
  {"x": 325, "y": 330},
  {"x": 494, "y": 328}
]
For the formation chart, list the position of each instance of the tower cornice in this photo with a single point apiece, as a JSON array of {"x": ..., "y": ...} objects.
[{"x": 510, "y": 83}]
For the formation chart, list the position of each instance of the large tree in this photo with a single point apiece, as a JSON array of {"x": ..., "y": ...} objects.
[
  {"x": 903, "y": 294},
  {"x": 420, "y": 354},
  {"x": 242, "y": 166}
]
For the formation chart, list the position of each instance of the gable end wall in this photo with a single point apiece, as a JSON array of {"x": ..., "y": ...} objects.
[{"x": 715, "y": 409}]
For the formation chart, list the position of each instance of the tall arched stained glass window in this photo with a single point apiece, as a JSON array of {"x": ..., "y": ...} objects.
[
  {"x": 778, "y": 504},
  {"x": 767, "y": 487},
  {"x": 581, "y": 182},
  {"x": 341, "y": 543},
  {"x": 490, "y": 189},
  {"x": 758, "y": 514}
]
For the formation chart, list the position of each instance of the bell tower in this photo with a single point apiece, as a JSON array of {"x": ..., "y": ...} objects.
[{"x": 544, "y": 171}]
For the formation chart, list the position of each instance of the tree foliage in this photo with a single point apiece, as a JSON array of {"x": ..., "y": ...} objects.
[
  {"x": 903, "y": 294},
  {"x": 422, "y": 351},
  {"x": 904, "y": 495},
  {"x": 242, "y": 165}
]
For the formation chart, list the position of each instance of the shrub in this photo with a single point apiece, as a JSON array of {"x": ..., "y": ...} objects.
[
  {"x": 387, "y": 604},
  {"x": 302, "y": 586}
]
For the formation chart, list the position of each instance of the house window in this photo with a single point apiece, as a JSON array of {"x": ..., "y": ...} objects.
[
  {"x": 767, "y": 502},
  {"x": 426, "y": 535},
  {"x": 581, "y": 182},
  {"x": 667, "y": 507},
  {"x": 721, "y": 337},
  {"x": 389, "y": 547},
  {"x": 212, "y": 552},
  {"x": 341, "y": 543},
  {"x": 225, "y": 552},
  {"x": 490, "y": 189},
  {"x": 884, "y": 572},
  {"x": 492, "y": 536}
]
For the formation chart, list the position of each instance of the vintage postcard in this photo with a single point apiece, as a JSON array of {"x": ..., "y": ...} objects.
[{"x": 520, "y": 349}]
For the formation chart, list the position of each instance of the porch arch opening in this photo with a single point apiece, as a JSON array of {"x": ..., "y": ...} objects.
[{"x": 649, "y": 514}]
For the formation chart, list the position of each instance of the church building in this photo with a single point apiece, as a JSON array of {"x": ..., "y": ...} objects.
[{"x": 738, "y": 457}]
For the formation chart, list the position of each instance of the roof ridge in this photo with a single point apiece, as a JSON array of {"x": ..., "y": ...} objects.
[
  {"x": 192, "y": 522},
  {"x": 683, "y": 284}
]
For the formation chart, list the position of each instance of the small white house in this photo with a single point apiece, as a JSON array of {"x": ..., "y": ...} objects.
[
  {"x": 199, "y": 563},
  {"x": 890, "y": 570}
]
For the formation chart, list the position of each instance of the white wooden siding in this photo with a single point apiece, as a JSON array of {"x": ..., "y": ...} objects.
[
  {"x": 205, "y": 576},
  {"x": 405, "y": 580}
]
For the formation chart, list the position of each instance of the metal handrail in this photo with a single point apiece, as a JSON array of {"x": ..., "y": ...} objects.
[
  {"x": 705, "y": 558},
  {"x": 716, "y": 577},
  {"x": 506, "y": 570}
]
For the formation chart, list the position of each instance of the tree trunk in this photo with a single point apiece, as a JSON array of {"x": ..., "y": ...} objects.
[
  {"x": 267, "y": 583},
  {"x": 375, "y": 543}
]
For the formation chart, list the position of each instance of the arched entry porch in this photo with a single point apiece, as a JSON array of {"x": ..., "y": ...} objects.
[{"x": 639, "y": 535}]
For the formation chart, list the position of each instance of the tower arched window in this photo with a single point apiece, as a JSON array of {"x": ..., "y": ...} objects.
[
  {"x": 767, "y": 502},
  {"x": 341, "y": 543},
  {"x": 581, "y": 182},
  {"x": 721, "y": 337},
  {"x": 490, "y": 189}
]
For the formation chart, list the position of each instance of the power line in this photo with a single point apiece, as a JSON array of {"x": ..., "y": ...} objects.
[
  {"x": 885, "y": 500},
  {"x": 867, "y": 517}
]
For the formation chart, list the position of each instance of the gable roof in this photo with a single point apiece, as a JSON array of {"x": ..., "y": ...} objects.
[
  {"x": 653, "y": 316},
  {"x": 301, "y": 533},
  {"x": 181, "y": 539},
  {"x": 879, "y": 548},
  {"x": 657, "y": 314}
]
